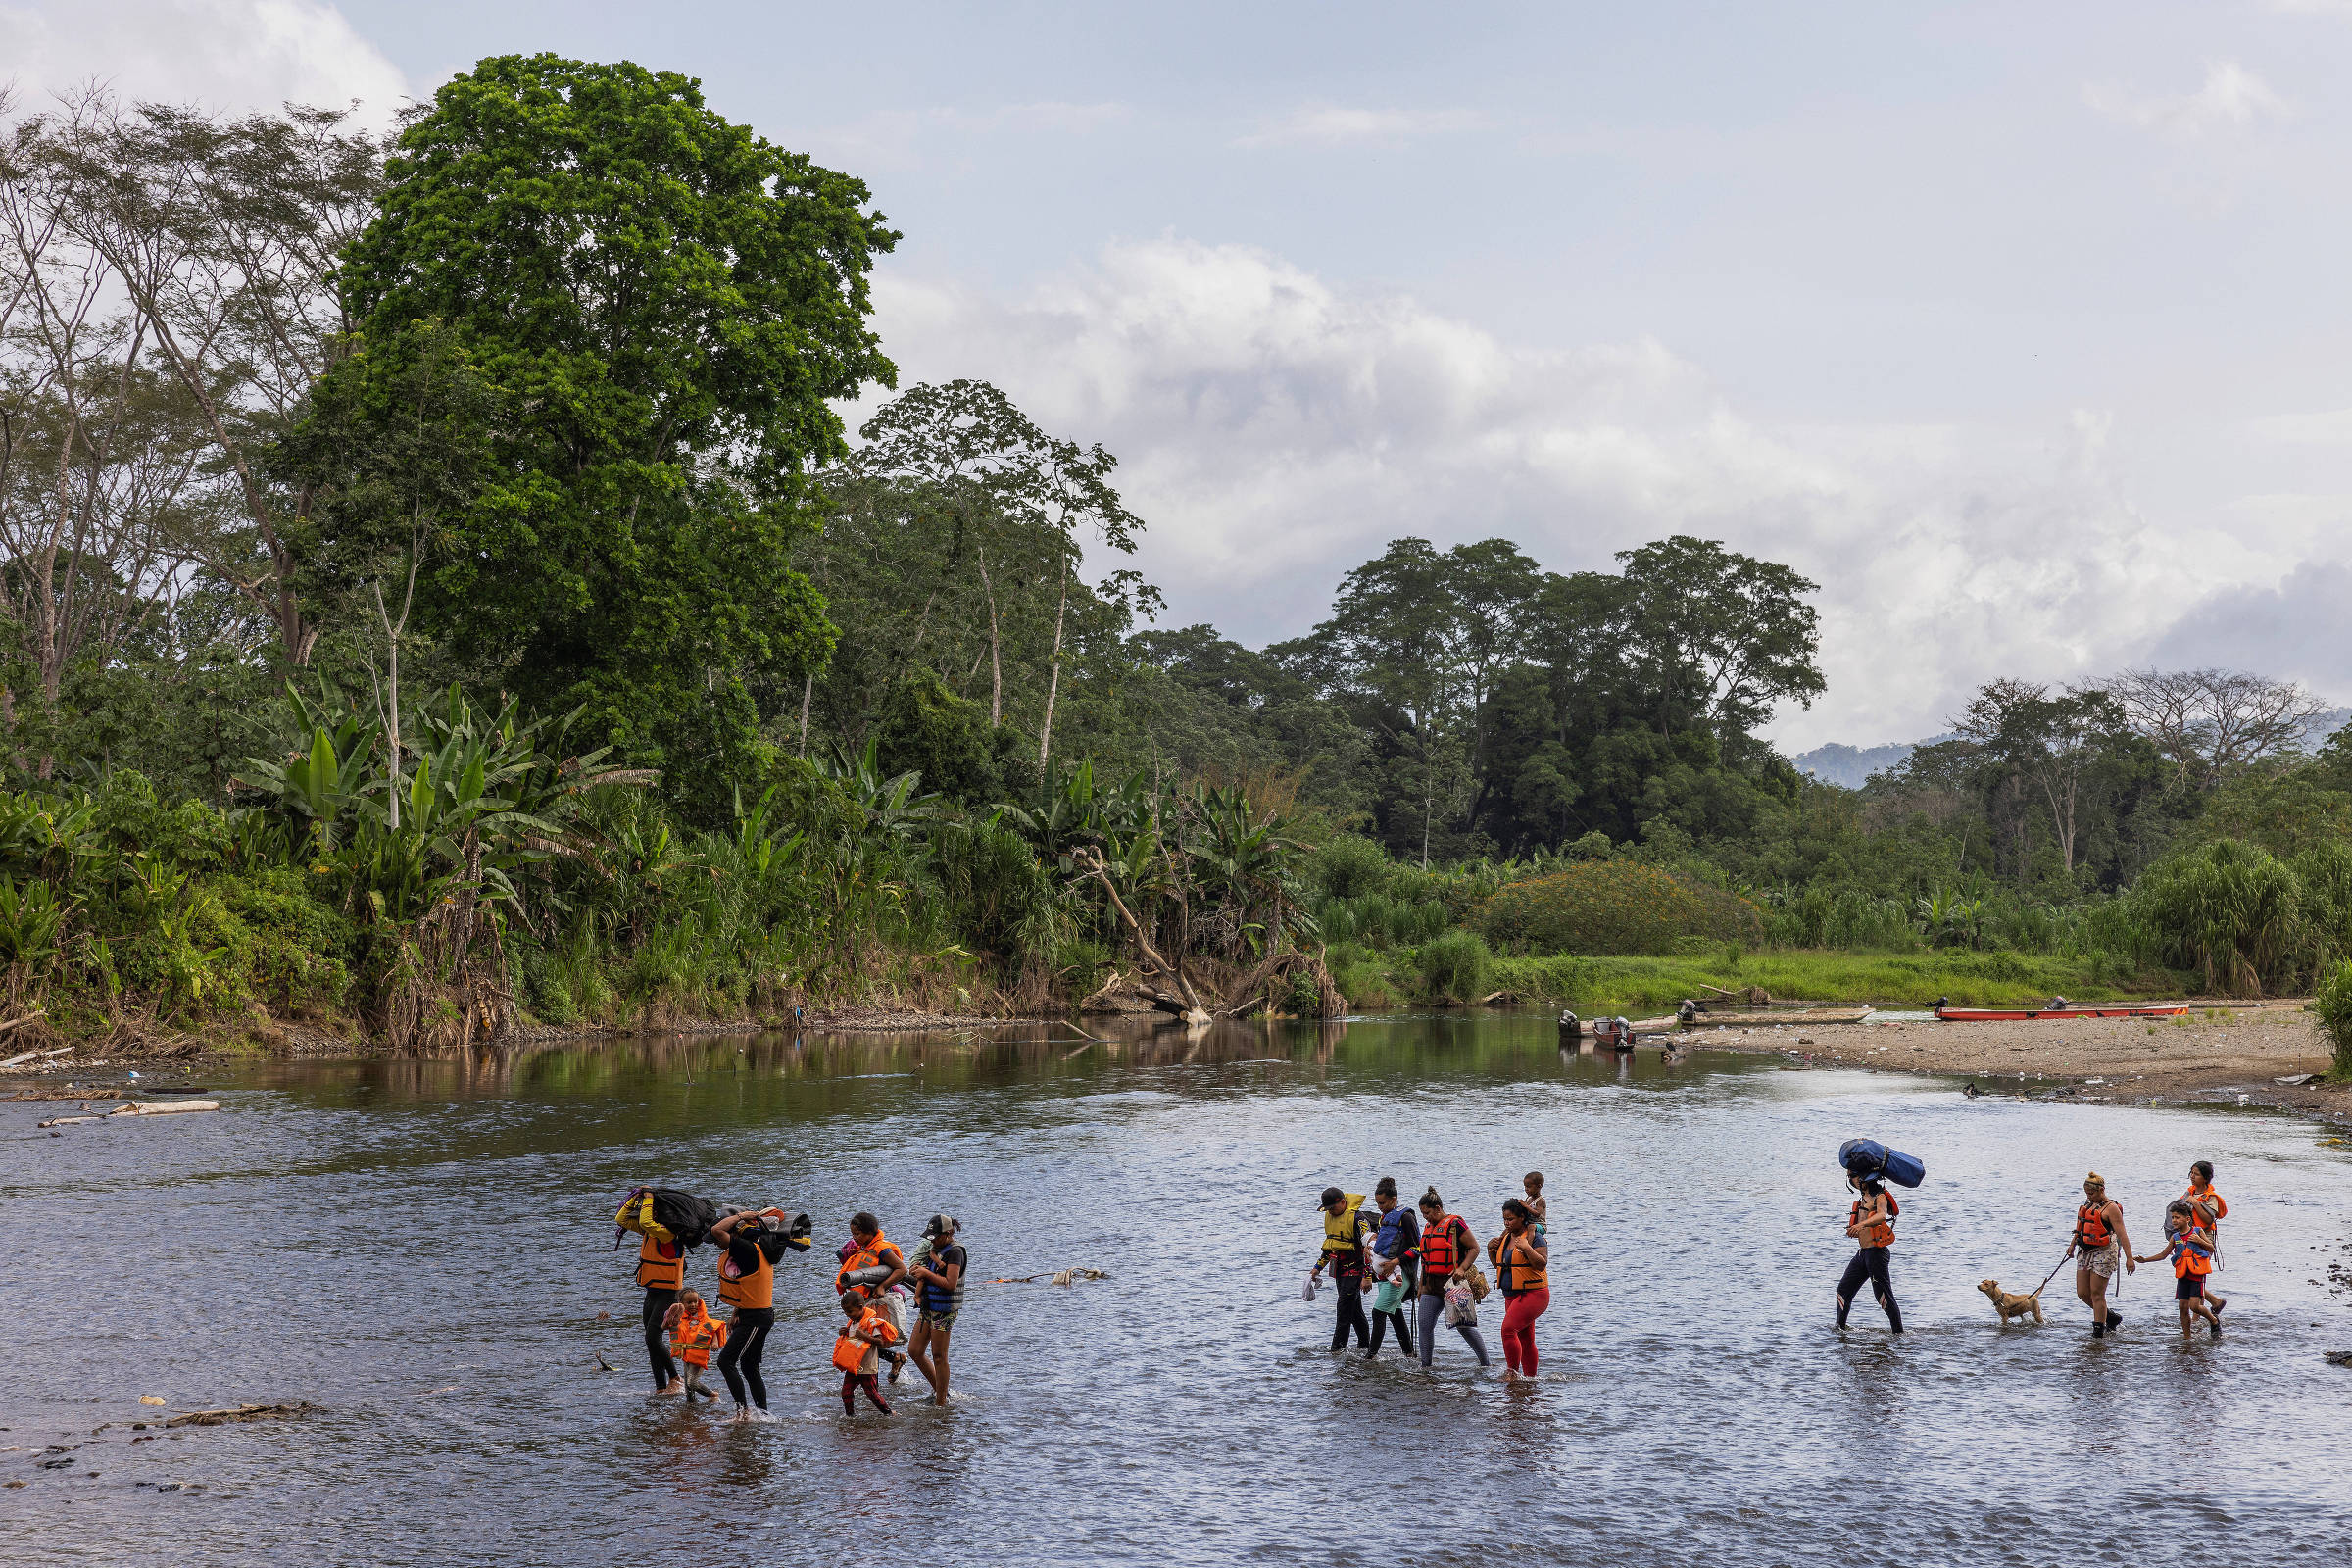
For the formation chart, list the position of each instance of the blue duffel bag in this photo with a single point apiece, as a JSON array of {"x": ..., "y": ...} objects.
[{"x": 1866, "y": 1160}]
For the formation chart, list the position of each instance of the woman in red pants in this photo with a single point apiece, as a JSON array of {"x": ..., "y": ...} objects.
[{"x": 1520, "y": 1256}]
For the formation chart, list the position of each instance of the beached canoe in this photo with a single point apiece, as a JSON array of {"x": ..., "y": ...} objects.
[{"x": 2155, "y": 1010}]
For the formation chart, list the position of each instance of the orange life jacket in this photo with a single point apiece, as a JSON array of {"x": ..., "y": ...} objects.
[
  {"x": 2190, "y": 1256},
  {"x": 851, "y": 1351},
  {"x": 1441, "y": 1247},
  {"x": 1517, "y": 1267},
  {"x": 2208, "y": 1196},
  {"x": 1883, "y": 1233},
  {"x": 868, "y": 1256},
  {"x": 755, "y": 1291},
  {"x": 661, "y": 1265},
  {"x": 2091, "y": 1226},
  {"x": 695, "y": 1337}
]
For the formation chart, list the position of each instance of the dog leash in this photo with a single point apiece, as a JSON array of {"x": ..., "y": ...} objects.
[{"x": 2051, "y": 1275}]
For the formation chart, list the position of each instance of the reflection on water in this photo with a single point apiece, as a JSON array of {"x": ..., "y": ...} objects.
[{"x": 423, "y": 1249}]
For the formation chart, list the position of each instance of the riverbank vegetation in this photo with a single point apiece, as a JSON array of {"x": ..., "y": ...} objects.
[{"x": 436, "y": 604}]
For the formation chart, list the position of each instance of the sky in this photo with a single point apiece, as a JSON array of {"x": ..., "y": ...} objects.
[{"x": 2021, "y": 329}]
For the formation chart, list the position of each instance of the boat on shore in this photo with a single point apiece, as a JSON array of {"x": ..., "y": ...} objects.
[{"x": 2061, "y": 1010}]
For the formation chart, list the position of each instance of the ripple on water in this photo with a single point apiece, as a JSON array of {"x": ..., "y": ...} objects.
[{"x": 421, "y": 1249}]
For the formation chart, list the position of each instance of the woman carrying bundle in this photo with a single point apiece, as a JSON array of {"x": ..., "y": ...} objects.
[
  {"x": 1870, "y": 1221},
  {"x": 1446, "y": 1250}
]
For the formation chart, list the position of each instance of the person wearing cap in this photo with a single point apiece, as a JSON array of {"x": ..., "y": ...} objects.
[
  {"x": 2101, "y": 1242},
  {"x": 938, "y": 1276},
  {"x": 1344, "y": 1228}
]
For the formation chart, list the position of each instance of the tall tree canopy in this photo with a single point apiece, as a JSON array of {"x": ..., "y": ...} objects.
[{"x": 666, "y": 306}]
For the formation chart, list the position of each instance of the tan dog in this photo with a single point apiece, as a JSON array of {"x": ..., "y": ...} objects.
[{"x": 2010, "y": 1305}]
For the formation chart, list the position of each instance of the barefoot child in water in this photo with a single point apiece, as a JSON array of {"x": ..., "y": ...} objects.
[
  {"x": 2190, "y": 1244},
  {"x": 854, "y": 1350},
  {"x": 693, "y": 1335}
]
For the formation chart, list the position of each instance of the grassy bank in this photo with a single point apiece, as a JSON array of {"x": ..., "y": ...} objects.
[{"x": 1972, "y": 979}]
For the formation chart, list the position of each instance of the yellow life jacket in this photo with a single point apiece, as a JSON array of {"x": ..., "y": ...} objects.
[{"x": 1343, "y": 1232}]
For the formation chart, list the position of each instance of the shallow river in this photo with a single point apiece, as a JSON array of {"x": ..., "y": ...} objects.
[{"x": 423, "y": 1250}]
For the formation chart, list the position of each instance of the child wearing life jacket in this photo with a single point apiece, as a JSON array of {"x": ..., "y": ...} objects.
[
  {"x": 2190, "y": 1244},
  {"x": 873, "y": 1262},
  {"x": 854, "y": 1350},
  {"x": 693, "y": 1335}
]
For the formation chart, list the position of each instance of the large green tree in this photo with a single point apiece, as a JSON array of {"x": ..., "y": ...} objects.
[{"x": 667, "y": 307}]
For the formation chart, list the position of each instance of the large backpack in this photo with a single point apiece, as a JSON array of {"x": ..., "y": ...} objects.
[{"x": 667, "y": 1215}]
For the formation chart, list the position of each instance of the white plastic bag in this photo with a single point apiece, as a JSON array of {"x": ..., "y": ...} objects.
[{"x": 1306, "y": 1291}]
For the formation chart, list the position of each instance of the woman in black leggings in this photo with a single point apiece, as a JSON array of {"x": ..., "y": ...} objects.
[
  {"x": 1871, "y": 1223},
  {"x": 747, "y": 1282}
]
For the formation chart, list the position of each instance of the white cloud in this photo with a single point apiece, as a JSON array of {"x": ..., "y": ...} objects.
[
  {"x": 1275, "y": 431},
  {"x": 2332, "y": 427},
  {"x": 2310, "y": 8},
  {"x": 2231, "y": 99},
  {"x": 225, "y": 54},
  {"x": 1330, "y": 125}
]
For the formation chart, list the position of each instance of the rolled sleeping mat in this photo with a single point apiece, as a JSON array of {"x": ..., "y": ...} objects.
[{"x": 1866, "y": 1158}]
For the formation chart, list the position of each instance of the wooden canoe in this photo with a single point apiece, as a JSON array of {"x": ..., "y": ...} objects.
[{"x": 2156, "y": 1010}]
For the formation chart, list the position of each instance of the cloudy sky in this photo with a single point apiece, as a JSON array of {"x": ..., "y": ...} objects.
[{"x": 2022, "y": 328}]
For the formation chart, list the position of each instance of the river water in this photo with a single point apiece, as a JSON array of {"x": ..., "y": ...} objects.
[{"x": 423, "y": 1250}]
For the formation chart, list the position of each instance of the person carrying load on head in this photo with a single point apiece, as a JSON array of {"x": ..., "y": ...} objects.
[
  {"x": 1522, "y": 1258},
  {"x": 1396, "y": 1247},
  {"x": 752, "y": 1242},
  {"x": 1344, "y": 1228},
  {"x": 2190, "y": 1244},
  {"x": 2211, "y": 1209},
  {"x": 2103, "y": 1244},
  {"x": 693, "y": 1335},
  {"x": 938, "y": 1278},
  {"x": 1448, "y": 1252},
  {"x": 661, "y": 1273},
  {"x": 871, "y": 1261},
  {"x": 1870, "y": 1221}
]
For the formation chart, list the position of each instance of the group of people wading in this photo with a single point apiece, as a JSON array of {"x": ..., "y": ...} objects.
[
  {"x": 879, "y": 1288},
  {"x": 2099, "y": 1246},
  {"x": 1431, "y": 1262}
]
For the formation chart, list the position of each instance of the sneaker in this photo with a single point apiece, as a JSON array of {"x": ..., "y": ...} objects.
[
  {"x": 2115, "y": 1319},
  {"x": 2215, "y": 1329},
  {"x": 2098, "y": 1330}
]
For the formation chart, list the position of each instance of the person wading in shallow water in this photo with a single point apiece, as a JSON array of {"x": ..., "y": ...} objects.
[
  {"x": 661, "y": 1270},
  {"x": 1395, "y": 1248},
  {"x": 939, "y": 1298},
  {"x": 1447, "y": 1245},
  {"x": 1344, "y": 1228},
  {"x": 1871, "y": 1223},
  {"x": 2209, "y": 1208},
  {"x": 747, "y": 1282},
  {"x": 2101, "y": 1244},
  {"x": 1522, "y": 1261}
]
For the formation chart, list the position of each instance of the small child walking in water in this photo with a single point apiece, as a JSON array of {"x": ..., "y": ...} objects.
[
  {"x": 2188, "y": 1243},
  {"x": 856, "y": 1350},
  {"x": 693, "y": 1335}
]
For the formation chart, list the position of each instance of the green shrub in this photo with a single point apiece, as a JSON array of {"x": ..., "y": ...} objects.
[
  {"x": 1362, "y": 977},
  {"x": 2229, "y": 911},
  {"x": 2334, "y": 1004},
  {"x": 1453, "y": 967},
  {"x": 1612, "y": 907},
  {"x": 1348, "y": 867},
  {"x": 2325, "y": 872}
]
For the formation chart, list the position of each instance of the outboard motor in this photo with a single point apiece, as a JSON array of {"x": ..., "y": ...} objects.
[
  {"x": 1571, "y": 1028},
  {"x": 1615, "y": 1033},
  {"x": 1688, "y": 1012}
]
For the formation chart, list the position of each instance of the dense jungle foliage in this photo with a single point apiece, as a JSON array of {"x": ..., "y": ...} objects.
[{"x": 436, "y": 599}]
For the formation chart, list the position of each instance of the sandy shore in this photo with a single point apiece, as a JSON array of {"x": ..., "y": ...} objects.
[{"x": 2211, "y": 1056}]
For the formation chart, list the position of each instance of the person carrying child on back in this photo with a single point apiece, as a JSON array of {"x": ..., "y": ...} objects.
[
  {"x": 1533, "y": 1181},
  {"x": 693, "y": 1335},
  {"x": 2212, "y": 1209},
  {"x": 2190, "y": 1244},
  {"x": 866, "y": 1331}
]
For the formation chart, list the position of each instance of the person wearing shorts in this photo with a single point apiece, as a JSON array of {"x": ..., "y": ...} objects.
[
  {"x": 2190, "y": 1244},
  {"x": 2100, "y": 1244},
  {"x": 939, "y": 1298}
]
